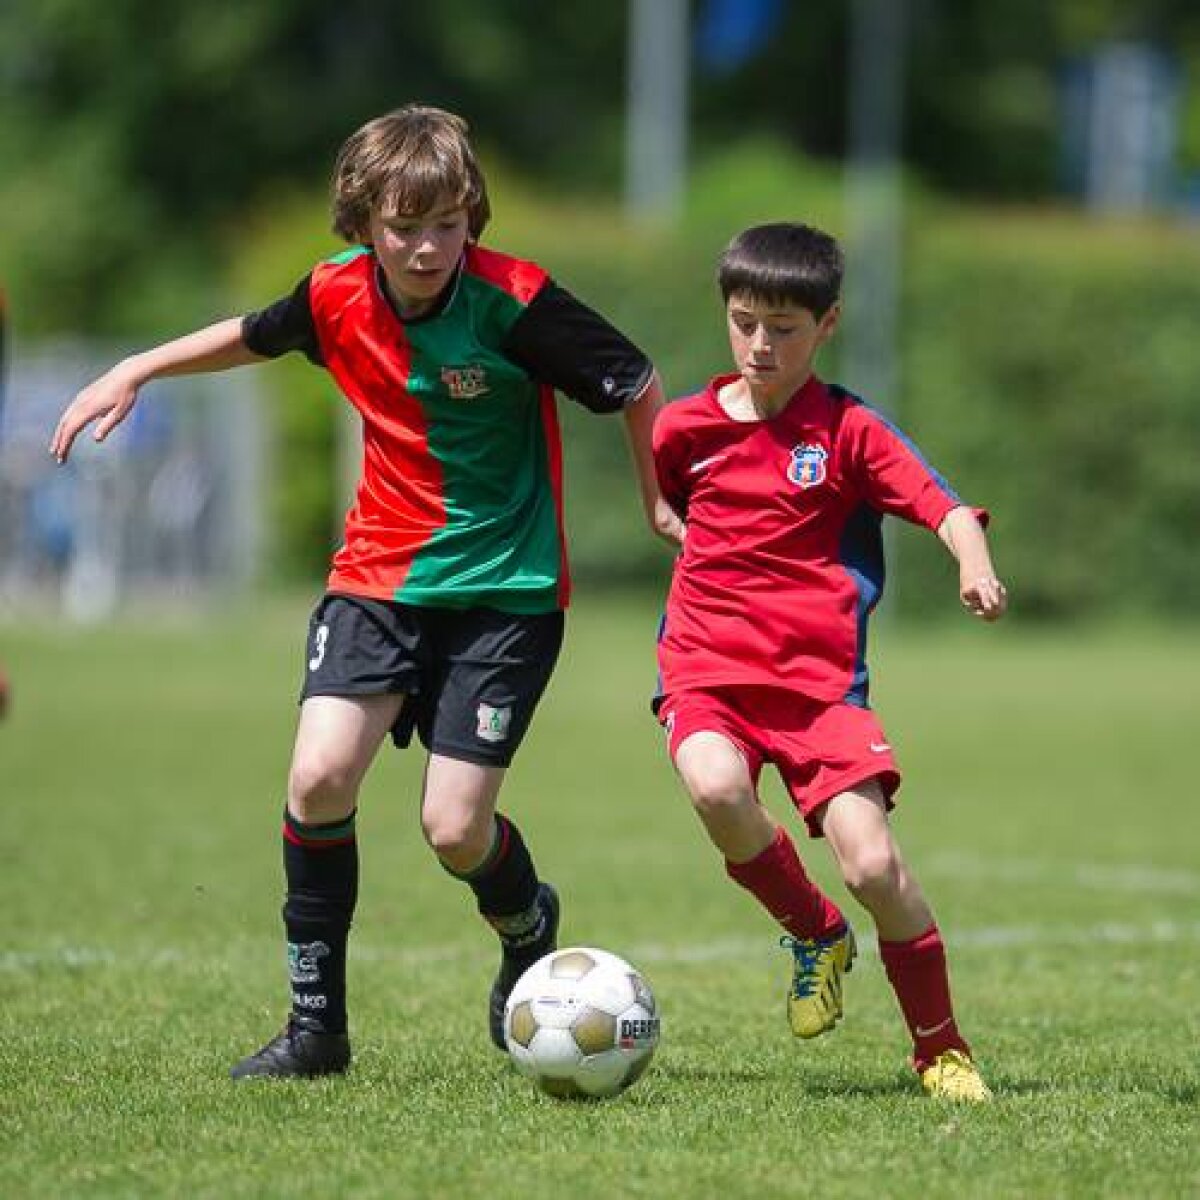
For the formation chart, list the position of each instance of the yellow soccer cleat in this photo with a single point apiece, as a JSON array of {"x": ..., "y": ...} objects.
[
  {"x": 954, "y": 1076},
  {"x": 815, "y": 996}
]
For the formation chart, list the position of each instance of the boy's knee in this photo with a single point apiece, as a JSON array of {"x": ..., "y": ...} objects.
[
  {"x": 319, "y": 787},
  {"x": 718, "y": 790},
  {"x": 872, "y": 871},
  {"x": 459, "y": 840},
  {"x": 714, "y": 773}
]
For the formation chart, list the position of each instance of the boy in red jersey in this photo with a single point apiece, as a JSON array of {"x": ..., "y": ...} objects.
[
  {"x": 782, "y": 481},
  {"x": 443, "y": 611}
]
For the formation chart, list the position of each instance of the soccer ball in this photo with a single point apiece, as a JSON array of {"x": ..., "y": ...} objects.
[{"x": 581, "y": 1022}]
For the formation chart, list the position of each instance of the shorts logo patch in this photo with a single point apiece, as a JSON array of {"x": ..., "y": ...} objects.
[
  {"x": 807, "y": 466},
  {"x": 465, "y": 383},
  {"x": 493, "y": 723}
]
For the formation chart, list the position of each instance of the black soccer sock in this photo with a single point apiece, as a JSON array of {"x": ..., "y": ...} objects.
[
  {"x": 506, "y": 886},
  {"x": 321, "y": 864}
]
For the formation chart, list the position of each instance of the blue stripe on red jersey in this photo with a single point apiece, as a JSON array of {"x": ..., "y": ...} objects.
[
  {"x": 900, "y": 436},
  {"x": 861, "y": 553}
]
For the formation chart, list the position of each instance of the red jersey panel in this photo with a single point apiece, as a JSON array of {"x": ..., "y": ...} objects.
[{"x": 783, "y": 560}]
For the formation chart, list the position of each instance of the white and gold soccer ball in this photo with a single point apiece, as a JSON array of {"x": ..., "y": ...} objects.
[{"x": 581, "y": 1022}]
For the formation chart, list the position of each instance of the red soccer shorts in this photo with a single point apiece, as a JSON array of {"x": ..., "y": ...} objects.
[{"x": 819, "y": 749}]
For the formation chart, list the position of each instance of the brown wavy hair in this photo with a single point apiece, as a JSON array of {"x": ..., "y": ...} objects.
[{"x": 405, "y": 162}]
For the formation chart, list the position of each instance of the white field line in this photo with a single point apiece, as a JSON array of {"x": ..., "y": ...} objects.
[
  {"x": 1106, "y": 877},
  {"x": 984, "y": 938},
  {"x": 1127, "y": 878}
]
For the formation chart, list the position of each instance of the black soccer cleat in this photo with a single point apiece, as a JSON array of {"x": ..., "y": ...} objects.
[
  {"x": 516, "y": 960},
  {"x": 296, "y": 1054}
]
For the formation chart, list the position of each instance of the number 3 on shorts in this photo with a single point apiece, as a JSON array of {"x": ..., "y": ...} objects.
[{"x": 320, "y": 638}]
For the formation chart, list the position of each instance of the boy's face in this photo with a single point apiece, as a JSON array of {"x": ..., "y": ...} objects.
[
  {"x": 774, "y": 344},
  {"x": 419, "y": 253}
]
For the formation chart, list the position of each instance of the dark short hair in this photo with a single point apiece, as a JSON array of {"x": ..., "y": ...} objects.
[
  {"x": 403, "y": 163},
  {"x": 783, "y": 263}
]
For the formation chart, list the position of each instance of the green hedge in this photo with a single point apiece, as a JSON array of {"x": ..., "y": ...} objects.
[{"x": 1050, "y": 367}]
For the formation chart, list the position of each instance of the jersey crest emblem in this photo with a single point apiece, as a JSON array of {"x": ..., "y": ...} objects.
[
  {"x": 465, "y": 383},
  {"x": 807, "y": 466}
]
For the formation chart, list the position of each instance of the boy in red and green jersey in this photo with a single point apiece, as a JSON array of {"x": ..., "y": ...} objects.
[
  {"x": 443, "y": 609},
  {"x": 460, "y": 501}
]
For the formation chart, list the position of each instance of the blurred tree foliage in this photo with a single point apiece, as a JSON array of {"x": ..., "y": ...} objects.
[{"x": 132, "y": 133}]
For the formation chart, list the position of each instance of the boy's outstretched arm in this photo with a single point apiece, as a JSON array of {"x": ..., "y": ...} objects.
[
  {"x": 639, "y": 425},
  {"x": 981, "y": 592},
  {"x": 110, "y": 399}
]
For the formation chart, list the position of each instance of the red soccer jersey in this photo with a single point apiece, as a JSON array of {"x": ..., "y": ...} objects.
[{"x": 783, "y": 560}]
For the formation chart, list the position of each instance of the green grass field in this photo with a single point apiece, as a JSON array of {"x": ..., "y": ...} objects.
[{"x": 1049, "y": 810}]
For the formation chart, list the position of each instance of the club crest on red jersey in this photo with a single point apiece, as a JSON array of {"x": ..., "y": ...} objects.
[
  {"x": 807, "y": 466},
  {"x": 465, "y": 383}
]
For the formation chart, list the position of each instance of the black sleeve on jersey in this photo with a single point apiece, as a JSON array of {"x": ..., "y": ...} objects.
[
  {"x": 285, "y": 325},
  {"x": 562, "y": 342}
]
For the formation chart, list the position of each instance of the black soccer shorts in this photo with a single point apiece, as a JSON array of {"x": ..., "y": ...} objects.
[{"x": 472, "y": 677}]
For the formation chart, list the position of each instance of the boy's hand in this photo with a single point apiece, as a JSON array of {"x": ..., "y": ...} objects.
[
  {"x": 983, "y": 595},
  {"x": 978, "y": 588},
  {"x": 110, "y": 399},
  {"x": 666, "y": 522}
]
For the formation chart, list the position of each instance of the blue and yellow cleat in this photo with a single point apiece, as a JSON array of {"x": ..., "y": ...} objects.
[
  {"x": 953, "y": 1076},
  {"x": 815, "y": 996}
]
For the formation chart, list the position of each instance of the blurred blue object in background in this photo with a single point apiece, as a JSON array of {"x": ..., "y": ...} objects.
[{"x": 730, "y": 32}]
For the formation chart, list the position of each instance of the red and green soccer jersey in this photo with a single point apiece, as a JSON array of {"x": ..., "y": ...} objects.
[{"x": 460, "y": 499}]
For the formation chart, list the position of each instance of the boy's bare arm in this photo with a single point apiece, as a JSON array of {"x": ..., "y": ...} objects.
[
  {"x": 981, "y": 592},
  {"x": 110, "y": 399},
  {"x": 639, "y": 426}
]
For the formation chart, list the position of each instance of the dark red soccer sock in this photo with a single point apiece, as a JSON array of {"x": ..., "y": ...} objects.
[
  {"x": 917, "y": 970},
  {"x": 777, "y": 880}
]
